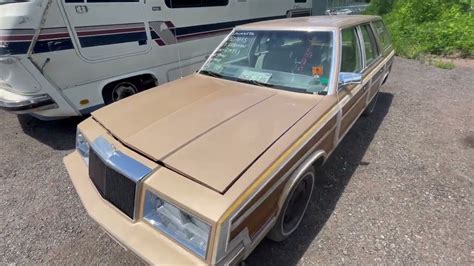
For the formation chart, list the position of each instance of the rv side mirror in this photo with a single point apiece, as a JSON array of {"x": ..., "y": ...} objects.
[{"x": 349, "y": 78}]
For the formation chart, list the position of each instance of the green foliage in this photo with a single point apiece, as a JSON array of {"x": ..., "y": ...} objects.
[
  {"x": 441, "y": 27},
  {"x": 380, "y": 7}
]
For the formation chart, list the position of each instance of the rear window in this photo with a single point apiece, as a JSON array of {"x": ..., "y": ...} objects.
[{"x": 383, "y": 34}]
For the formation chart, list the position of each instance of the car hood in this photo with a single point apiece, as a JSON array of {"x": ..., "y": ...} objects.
[{"x": 209, "y": 130}]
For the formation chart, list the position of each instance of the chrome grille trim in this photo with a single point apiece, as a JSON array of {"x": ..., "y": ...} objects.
[{"x": 122, "y": 164}]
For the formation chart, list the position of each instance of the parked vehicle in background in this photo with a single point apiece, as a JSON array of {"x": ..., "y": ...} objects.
[
  {"x": 344, "y": 11},
  {"x": 201, "y": 169},
  {"x": 338, "y": 12},
  {"x": 62, "y": 58}
]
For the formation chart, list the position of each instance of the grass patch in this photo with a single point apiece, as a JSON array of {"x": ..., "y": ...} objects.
[
  {"x": 435, "y": 61},
  {"x": 443, "y": 64}
]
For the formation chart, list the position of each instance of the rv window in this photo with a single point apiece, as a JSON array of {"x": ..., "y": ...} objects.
[
  {"x": 300, "y": 1},
  {"x": 300, "y": 13},
  {"x": 195, "y": 3},
  {"x": 13, "y": 1},
  {"x": 109, "y": 1}
]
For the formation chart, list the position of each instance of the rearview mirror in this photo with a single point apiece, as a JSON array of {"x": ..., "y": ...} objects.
[{"x": 348, "y": 78}]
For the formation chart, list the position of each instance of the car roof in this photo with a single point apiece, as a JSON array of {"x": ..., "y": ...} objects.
[{"x": 309, "y": 23}]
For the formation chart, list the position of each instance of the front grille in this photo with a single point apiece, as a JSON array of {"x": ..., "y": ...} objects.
[{"x": 112, "y": 185}]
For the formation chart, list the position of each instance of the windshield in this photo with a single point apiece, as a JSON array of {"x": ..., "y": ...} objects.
[{"x": 290, "y": 60}]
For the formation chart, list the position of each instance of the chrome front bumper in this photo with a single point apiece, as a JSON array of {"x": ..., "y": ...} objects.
[{"x": 21, "y": 104}]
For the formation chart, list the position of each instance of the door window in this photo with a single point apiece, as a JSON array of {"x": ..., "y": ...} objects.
[
  {"x": 370, "y": 45},
  {"x": 351, "y": 54},
  {"x": 383, "y": 34}
]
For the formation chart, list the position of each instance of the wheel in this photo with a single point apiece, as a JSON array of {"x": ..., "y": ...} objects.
[
  {"x": 123, "y": 90},
  {"x": 371, "y": 107},
  {"x": 294, "y": 207},
  {"x": 118, "y": 91}
]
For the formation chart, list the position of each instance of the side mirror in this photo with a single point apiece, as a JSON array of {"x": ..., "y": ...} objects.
[{"x": 349, "y": 78}]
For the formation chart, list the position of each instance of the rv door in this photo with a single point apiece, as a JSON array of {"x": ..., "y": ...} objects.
[{"x": 105, "y": 29}]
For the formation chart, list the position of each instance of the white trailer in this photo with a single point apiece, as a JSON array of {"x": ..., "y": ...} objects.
[{"x": 61, "y": 58}]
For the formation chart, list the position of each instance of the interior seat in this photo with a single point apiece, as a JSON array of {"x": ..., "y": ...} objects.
[{"x": 277, "y": 59}]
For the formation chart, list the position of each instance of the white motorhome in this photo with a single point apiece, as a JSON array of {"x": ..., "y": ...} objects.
[{"x": 61, "y": 58}]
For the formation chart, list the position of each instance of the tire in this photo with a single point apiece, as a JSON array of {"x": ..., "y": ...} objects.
[
  {"x": 119, "y": 91},
  {"x": 371, "y": 107},
  {"x": 294, "y": 208}
]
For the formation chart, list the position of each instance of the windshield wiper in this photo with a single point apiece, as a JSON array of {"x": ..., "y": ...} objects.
[
  {"x": 255, "y": 82},
  {"x": 210, "y": 73}
]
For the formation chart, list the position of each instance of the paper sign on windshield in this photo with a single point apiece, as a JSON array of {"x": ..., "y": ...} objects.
[
  {"x": 257, "y": 76},
  {"x": 317, "y": 70}
]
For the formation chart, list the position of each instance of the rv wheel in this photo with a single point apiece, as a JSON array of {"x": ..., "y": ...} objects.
[
  {"x": 294, "y": 207},
  {"x": 123, "y": 90}
]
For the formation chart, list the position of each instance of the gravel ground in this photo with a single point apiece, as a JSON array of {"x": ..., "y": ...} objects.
[{"x": 398, "y": 189}]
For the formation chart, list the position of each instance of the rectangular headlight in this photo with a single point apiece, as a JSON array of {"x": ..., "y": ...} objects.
[
  {"x": 82, "y": 146},
  {"x": 177, "y": 224}
]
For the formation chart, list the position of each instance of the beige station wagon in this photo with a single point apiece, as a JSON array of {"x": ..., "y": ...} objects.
[{"x": 200, "y": 170}]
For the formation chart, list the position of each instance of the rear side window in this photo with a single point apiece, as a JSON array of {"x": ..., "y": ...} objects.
[
  {"x": 195, "y": 3},
  {"x": 351, "y": 60},
  {"x": 106, "y": 1},
  {"x": 383, "y": 34},
  {"x": 370, "y": 45}
]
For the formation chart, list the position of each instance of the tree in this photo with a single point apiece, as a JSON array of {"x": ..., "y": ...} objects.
[{"x": 380, "y": 7}]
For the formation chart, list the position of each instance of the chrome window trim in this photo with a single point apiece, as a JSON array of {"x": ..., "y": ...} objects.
[
  {"x": 361, "y": 51},
  {"x": 123, "y": 164},
  {"x": 334, "y": 73},
  {"x": 362, "y": 48}
]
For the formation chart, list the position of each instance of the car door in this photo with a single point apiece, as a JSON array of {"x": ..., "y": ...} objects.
[
  {"x": 352, "y": 98},
  {"x": 104, "y": 29}
]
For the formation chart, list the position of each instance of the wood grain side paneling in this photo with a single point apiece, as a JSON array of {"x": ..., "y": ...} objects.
[{"x": 269, "y": 207}]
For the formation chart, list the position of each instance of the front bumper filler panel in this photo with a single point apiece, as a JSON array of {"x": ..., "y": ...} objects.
[{"x": 139, "y": 237}]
